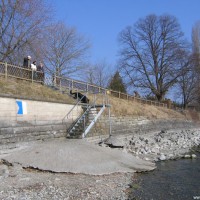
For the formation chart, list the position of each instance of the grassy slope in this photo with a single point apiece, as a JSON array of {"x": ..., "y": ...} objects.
[
  {"x": 27, "y": 89},
  {"x": 119, "y": 107}
]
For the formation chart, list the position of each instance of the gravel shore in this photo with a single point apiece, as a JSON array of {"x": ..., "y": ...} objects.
[
  {"x": 21, "y": 183},
  {"x": 18, "y": 183}
]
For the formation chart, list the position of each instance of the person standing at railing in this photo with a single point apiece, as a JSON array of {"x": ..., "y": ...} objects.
[
  {"x": 136, "y": 94},
  {"x": 27, "y": 64},
  {"x": 34, "y": 69},
  {"x": 40, "y": 75}
]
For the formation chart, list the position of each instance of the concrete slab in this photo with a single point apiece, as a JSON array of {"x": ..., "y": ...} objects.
[{"x": 76, "y": 156}]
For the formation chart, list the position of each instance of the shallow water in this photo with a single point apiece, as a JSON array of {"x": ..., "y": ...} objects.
[{"x": 172, "y": 180}]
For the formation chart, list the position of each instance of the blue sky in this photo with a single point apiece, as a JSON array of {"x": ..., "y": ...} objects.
[{"x": 102, "y": 20}]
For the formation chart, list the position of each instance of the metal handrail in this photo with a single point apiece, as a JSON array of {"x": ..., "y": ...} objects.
[
  {"x": 89, "y": 106},
  {"x": 78, "y": 102}
]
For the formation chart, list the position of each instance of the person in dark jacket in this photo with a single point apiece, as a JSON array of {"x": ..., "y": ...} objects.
[
  {"x": 27, "y": 62},
  {"x": 78, "y": 95}
]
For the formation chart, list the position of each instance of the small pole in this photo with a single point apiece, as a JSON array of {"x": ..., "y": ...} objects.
[
  {"x": 87, "y": 87},
  {"x": 72, "y": 84},
  {"x": 6, "y": 71},
  {"x": 32, "y": 75},
  {"x": 60, "y": 83},
  {"x": 109, "y": 122}
]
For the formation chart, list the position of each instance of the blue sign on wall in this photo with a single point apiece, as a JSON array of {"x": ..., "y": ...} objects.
[{"x": 22, "y": 109}]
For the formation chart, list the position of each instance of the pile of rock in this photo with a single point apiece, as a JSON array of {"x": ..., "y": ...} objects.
[
  {"x": 155, "y": 146},
  {"x": 163, "y": 145}
]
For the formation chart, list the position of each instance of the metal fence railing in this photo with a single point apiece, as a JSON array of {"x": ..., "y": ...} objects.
[
  {"x": 12, "y": 71},
  {"x": 63, "y": 83}
]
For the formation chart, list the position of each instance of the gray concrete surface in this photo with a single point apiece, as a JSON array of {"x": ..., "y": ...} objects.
[
  {"x": 38, "y": 113},
  {"x": 75, "y": 156}
]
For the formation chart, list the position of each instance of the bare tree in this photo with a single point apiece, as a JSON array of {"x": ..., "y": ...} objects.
[
  {"x": 99, "y": 74},
  {"x": 187, "y": 85},
  {"x": 196, "y": 38},
  {"x": 21, "y": 22},
  {"x": 151, "y": 53},
  {"x": 196, "y": 57},
  {"x": 64, "y": 49}
]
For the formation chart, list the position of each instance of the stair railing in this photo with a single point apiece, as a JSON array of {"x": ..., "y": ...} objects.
[
  {"x": 80, "y": 116},
  {"x": 78, "y": 102},
  {"x": 83, "y": 115}
]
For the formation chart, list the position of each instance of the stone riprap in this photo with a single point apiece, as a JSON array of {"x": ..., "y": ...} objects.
[{"x": 162, "y": 145}]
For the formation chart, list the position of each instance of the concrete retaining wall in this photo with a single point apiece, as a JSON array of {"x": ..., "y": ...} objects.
[
  {"x": 37, "y": 120},
  {"x": 129, "y": 125},
  {"x": 33, "y": 112}
]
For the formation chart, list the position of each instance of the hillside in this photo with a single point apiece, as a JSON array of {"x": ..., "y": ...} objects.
[
  {"x": 35, "y": 91},
  {"x": 119, "y": 107}
]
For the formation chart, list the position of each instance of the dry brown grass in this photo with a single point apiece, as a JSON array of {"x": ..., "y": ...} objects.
[
  {"x": 119, "y": 107},
  {"x": 27, "y": 89},
  {"x": 131, "y": 108}
]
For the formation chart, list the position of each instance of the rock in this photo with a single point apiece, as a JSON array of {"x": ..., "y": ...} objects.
[
  {"x": 146, "y": 148},
  {"x": 171, "y": 156},
  {"x": 162, "y": 157},
  {"x": 146, "y": 141},
  {"x": 114, "y": 142},
  {"x": 4, "y": 171},
  {"x": 163, "y": 131},
  {"x": 194, "y": 156},
  {"x": 187, "y": 156},
  {"x": 141, "y": 138}
]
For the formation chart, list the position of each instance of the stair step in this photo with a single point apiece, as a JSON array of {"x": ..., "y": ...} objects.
[{"x": 88, "y": 119}]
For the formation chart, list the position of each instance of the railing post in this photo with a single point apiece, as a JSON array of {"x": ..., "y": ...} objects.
[
  {"x": 119, "y": 95},
  {"x": 54, "y": 80},
  {"x": 72, "y": 85},
  {"x": 60, "y": 84},
  {"x": 32, "y": 75},
  {"x": 110, "y": 131},
  {"x": 87, "y": 87},
  {"x": 6, "y": 71}
]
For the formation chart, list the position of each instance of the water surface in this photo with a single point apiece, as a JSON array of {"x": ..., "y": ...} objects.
[{"x": 172, "y": 180}]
